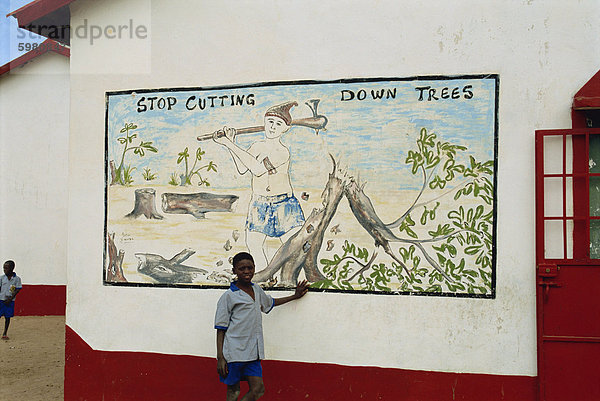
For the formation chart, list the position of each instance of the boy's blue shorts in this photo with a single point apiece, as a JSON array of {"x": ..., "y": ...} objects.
[
  {"x": 239, "y": 371},
  {"x": 7, "y": 310}
]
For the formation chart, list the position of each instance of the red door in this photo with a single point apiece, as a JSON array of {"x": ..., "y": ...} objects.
[{"x": 568, "y": 263}]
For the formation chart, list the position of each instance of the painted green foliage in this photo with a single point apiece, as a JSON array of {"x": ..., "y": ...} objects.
[
  {"x": 441, "y": 252},
  {"x": 123, "y": 173},
  {"x": 190, "y": 172},
  {"x": 148, "y": 174}
]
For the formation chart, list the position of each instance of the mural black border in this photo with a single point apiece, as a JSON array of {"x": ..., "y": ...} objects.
[
  {"x": 495, "y": 77},
  {"x": 106, "y": 185}
]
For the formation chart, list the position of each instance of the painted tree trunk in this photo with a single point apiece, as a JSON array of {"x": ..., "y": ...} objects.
[
  {"x": 113, "y": 173},
  {"x": 365, "y": 214},
  {"x": 114, "y": 270}
]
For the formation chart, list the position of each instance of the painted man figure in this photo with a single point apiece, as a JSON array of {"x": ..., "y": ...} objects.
[{"x": 274, "y": 211}]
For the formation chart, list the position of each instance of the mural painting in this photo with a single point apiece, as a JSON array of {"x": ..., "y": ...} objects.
[{"x": 383, "y": 186}]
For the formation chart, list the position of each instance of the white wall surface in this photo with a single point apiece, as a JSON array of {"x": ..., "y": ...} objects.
[
  {"x": 34, "y": 135},
  {"x": 543, "y": 51}
]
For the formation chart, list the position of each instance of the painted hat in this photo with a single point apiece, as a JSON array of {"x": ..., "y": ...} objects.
[{"x": 282, "y": 111}]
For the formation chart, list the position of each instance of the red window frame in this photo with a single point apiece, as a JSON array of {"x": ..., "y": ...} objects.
[{"x": 580, "y": 176}]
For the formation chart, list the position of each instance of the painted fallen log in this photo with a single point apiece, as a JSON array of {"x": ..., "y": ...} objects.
[
  {"x": 197, "y": 204},
  {"x": 168, "y": 271}
]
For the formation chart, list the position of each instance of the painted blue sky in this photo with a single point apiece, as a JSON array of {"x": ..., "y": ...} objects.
[
  {"x": 10, "y": 33},
  {"x": 369, "y": 137}
]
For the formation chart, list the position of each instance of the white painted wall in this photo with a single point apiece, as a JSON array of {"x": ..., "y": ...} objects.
[
  {"x": 544, "y": 51},
  {"x": 34, "y": 144}
]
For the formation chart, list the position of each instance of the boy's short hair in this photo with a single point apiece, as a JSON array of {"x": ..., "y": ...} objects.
[
  {"x": 10, "y": 264},
  {"x": 241, "y": 256}
]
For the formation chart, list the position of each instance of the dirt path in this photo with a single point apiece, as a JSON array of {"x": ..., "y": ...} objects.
[{"x": 33, "y": 360}]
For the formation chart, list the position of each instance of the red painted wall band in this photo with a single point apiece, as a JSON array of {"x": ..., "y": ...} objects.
[
  {"x": 41, "y": 300},
  {"x": 98, "y": 375}
]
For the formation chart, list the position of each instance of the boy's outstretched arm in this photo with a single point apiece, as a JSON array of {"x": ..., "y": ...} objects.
[
  {"x": 221, "y": 362},
  {"x": 301, "y": 290}
]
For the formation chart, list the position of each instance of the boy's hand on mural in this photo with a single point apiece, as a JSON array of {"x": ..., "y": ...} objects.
[{"x": 301, "y": 289}]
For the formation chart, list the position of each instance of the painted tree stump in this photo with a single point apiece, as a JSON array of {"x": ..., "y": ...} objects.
[{"x": 145, "y": 199}]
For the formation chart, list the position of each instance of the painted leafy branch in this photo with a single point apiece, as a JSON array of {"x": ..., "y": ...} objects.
[
  {"x": 469, "y": 233},
  {"x": 122, "y": 174},
  {"x": 338, "y": 270},
  {"x": 190, "y": 172},
  {"x": 454, "y": 254}
]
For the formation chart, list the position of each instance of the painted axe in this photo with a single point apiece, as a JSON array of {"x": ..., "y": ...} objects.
[{"x": 316, "y": 122}]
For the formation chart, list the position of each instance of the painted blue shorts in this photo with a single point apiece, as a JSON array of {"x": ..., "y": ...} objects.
[
  {"x": 274, "y": 215},
  {"x": 239, "y": 371},
  {"x": 7, "y": 310}
]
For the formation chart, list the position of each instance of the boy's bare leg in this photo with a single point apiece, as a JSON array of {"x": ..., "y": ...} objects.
[
  {"x": 233, "y": 392},
  {"x": 6, "y": 324},
  {"x": 257, "y": 389}
]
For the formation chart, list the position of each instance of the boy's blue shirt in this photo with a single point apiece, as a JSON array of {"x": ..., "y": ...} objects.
[{"x": 240, "y": 316}]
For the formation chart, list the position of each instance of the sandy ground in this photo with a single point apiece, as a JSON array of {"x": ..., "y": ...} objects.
[{"x": 33, "y": 359}]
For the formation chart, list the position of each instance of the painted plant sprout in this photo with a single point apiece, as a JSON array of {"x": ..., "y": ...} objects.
[
  {"x": 122, "y": 174},
  {"x": 193, "y": 170},
  {"x": 383, "y": 185}
]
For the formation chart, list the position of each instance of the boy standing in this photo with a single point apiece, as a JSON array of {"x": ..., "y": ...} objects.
[
  {"x": 238, "y": 321},
  {"x": 10, "y": 285}
]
